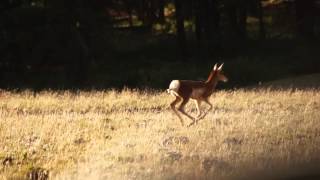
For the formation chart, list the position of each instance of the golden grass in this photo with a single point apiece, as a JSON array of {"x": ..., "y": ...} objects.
[{"x": 134, "y": 135}]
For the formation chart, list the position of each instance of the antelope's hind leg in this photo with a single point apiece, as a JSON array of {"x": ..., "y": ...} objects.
[
  {"x": 173, "y": 107},
  {"x": 181, "y": 109}
]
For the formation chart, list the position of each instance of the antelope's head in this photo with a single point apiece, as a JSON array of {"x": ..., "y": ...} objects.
[{"x": 219, "y": 73}]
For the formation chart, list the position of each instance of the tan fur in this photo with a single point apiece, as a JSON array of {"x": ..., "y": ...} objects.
[{"x": 183, "y": 90}]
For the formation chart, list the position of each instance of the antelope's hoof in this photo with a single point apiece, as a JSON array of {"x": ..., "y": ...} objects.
[{"x": 191, "y": 124}]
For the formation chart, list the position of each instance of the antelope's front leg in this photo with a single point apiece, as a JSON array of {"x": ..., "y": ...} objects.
[
  {"x": 196, "y": 119},
  {"x": 198, "y": 103},
  {"x": 210, "y": 108}
]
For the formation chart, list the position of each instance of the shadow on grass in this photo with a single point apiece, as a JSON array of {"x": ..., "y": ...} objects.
[{"x": 307, "y": 172}]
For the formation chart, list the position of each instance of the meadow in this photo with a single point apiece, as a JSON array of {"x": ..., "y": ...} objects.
[{"x": 255, "y": 133}]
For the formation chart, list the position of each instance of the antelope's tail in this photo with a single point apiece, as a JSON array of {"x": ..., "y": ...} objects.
[{"x": 172, "y": 92}]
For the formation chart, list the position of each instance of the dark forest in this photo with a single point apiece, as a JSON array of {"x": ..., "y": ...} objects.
[{"x": 146, "y": 43}]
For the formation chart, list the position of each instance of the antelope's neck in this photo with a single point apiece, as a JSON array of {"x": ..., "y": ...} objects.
[{"x": 212, "y": 80}]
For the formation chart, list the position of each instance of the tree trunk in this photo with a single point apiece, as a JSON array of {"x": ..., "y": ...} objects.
[
  {"x": 242, "y": 21},
  {"x": 181, "y": 35},
  {"x": 305, "y": 15},
  {"x": 232, "y": 17},
  {"x": 71, "y": 40},
  {"x": 262, "y": 31},
  {"x": 215, "y": 27},
  {"x": 199, "y": 21},
  {"x": 161, "y": 14},
  {"x": 129, "y": 7},
  {"x": 142, "y": 10}
]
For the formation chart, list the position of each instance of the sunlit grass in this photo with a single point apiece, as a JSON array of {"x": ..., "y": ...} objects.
[{"x": 132, "y": 134}]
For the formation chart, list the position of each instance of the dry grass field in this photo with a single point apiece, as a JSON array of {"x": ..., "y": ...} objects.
[{"x": 132, "y": 134}]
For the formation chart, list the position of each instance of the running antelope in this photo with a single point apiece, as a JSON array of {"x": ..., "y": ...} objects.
[{"x": 199, "y": 91}]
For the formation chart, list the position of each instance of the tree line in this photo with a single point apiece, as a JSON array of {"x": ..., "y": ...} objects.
[{"x": 66, "y": 36}]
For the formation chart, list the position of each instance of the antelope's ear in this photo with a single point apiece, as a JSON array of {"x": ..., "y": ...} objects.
[
  {"x": 220, "y": 67},
  {"x": 215, "y": 67}
]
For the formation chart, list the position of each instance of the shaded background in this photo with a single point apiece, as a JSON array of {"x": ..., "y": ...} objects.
[{"x": 146, "y": 43}]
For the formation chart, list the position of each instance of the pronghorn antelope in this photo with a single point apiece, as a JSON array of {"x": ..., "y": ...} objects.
[{"x": 199, "y": 91}]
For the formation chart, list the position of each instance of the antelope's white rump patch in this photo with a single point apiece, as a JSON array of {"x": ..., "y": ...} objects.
[{"x": 174, "y": 88}]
